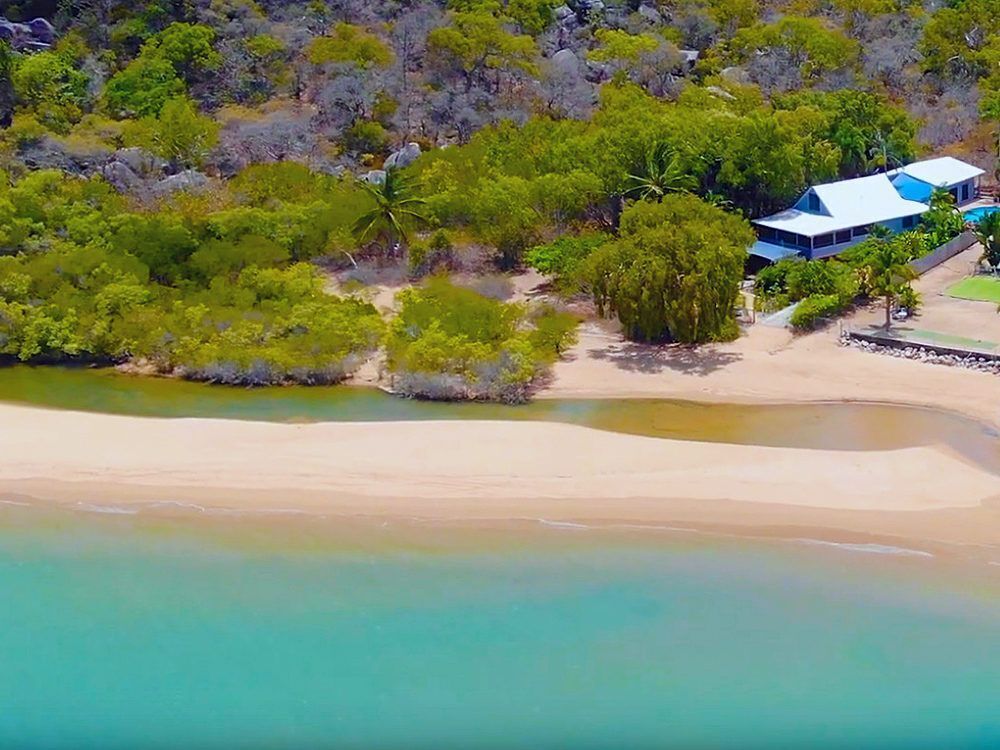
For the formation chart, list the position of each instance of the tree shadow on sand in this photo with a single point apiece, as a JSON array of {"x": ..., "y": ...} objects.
[{"x": 649, "y": 358}]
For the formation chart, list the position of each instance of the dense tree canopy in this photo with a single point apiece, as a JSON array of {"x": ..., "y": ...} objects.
[{"x": 674, "y": 272}]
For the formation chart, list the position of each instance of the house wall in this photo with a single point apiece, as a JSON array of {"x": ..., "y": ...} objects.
[
  {"x": 965, "y": 192},
  {"x": 895, "y": 226},
  {"x": 810, "y": 203}
]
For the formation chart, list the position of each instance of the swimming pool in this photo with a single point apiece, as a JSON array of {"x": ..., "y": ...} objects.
[{"x": 976, "y": 214}]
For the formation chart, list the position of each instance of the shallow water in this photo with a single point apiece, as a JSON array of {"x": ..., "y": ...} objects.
[
  {"x": 837, "y": 426},
  {"x": 122, "y": 632}
]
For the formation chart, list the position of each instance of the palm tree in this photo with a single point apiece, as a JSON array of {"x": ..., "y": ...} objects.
[
  {"x": 661, "y": 173},
  {"x": 395, "y": 207},
  {"x": 887, "y": 271},
  {"x": 988, "y": 233},
  {"x": 942, "y": 220},
  {"x": 883, "y": 153}
]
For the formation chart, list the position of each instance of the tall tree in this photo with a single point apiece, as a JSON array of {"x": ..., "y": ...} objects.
[
  {"x": 477, "y": 44},
  {"x": 674, "y": 272}
]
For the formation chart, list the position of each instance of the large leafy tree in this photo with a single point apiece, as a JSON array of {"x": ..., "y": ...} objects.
[
  {"x": 504, "y": 216},
  {"x": 674, "y": 272},
  {"x": 477, "y": 44},
  {"x": 815, "y": 46},
  {"x": 348, "y": 43},
  {"x": 53, "y": 86},
  {"x": 396, "y": 207},
  {"x": 168, "y": 62},
  {"x": 143, "y": 87},
  {"x": 960, "y": 39}
]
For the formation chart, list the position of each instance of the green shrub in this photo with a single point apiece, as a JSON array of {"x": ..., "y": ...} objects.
[
  {"x": 449, "y": 342},
  {"x": 563, "y": 258},
  {"x": 435, "y": 254},
  {"x": 909, "y": 298},
  {"x": 772, "y": 280},
  {"x": 812, "y": 310},
  {"x": 366, "y": 137}
]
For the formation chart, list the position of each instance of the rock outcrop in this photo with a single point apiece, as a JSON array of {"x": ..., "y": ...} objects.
[
  {"x": 404, "y": 157},
  {"x": 36, "y": 34}
]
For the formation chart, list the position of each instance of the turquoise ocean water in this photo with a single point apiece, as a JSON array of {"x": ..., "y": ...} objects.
[{"x": 130, "y": 632}]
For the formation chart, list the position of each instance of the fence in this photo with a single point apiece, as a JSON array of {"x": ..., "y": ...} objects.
[{"x": 947, "y": 251}]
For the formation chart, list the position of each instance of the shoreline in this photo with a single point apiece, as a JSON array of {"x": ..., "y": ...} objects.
[
  {"x": 880, "y": 536},
  {"x": 494, "y": 472},
  {"x": 767, "y": 366}
]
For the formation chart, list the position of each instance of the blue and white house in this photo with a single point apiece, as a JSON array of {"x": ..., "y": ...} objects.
[{"x": 830, "y": 218}]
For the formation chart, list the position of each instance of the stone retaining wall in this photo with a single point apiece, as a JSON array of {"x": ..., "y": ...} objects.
[{"x": 931, "y": 354}]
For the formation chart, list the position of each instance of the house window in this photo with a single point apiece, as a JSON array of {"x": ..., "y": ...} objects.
[
  {"x": 844, "y": 236},
  {"x": 823, "y": 240},
  {"x": 965, "y": 192},
  {"x": 909, "y": 222},
  {"x": 813, "y": 202},
  {"x": 862, "y": 231},
  {"x": 954, "y": 193},
  {"x": 792, "y": 240}
]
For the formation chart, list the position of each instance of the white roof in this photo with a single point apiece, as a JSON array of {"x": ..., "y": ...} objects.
[
  {"x": 945, "y": 170},
  {"x": 848, "y": 203}
]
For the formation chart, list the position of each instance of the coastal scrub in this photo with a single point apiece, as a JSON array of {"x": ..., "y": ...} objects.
[{"x": 448, "y": 342}]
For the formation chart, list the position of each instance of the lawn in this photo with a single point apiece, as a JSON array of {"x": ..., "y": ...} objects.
[{"x": 979, "y": 288}]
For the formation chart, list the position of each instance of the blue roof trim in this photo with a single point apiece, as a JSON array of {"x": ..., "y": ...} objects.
[
  {"x": 912, "y": 189},
  {"x": 771, "y": 252}
]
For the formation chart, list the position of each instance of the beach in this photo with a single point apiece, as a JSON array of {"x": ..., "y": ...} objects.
[
  {"x": 495, "y": 470},
  {"x": 768, "y": 364}
]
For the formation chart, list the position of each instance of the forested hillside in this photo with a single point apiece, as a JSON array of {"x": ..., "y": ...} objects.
[{"x": 181, "y": 176}]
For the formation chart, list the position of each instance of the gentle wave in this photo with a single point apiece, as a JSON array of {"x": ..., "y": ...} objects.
[
  {"x": 176, "y": 504},
  {"x": 110, "y": 509},
  {"x": 874, "y": 549},
  {"x": 563, "y": 524}
]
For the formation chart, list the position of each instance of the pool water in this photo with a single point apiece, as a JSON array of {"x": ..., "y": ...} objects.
[{"x": 977, "y": 214}]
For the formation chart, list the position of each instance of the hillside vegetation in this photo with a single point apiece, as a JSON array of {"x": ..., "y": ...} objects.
[{"x": 180, "y": 179}]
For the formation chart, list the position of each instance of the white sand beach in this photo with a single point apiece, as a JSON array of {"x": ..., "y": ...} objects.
[{"x": 493, "y": 470}]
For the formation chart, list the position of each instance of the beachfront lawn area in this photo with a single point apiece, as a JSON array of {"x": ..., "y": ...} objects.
[{"x": 978, "y": 288}]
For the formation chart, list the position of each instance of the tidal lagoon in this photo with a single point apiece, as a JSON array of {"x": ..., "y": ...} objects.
[{"x": 832, "y": 426}]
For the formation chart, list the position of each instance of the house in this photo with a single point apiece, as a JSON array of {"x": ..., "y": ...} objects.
[
  {"x": 916, "y": 181},
  {"x": 828, "y": 219}
]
